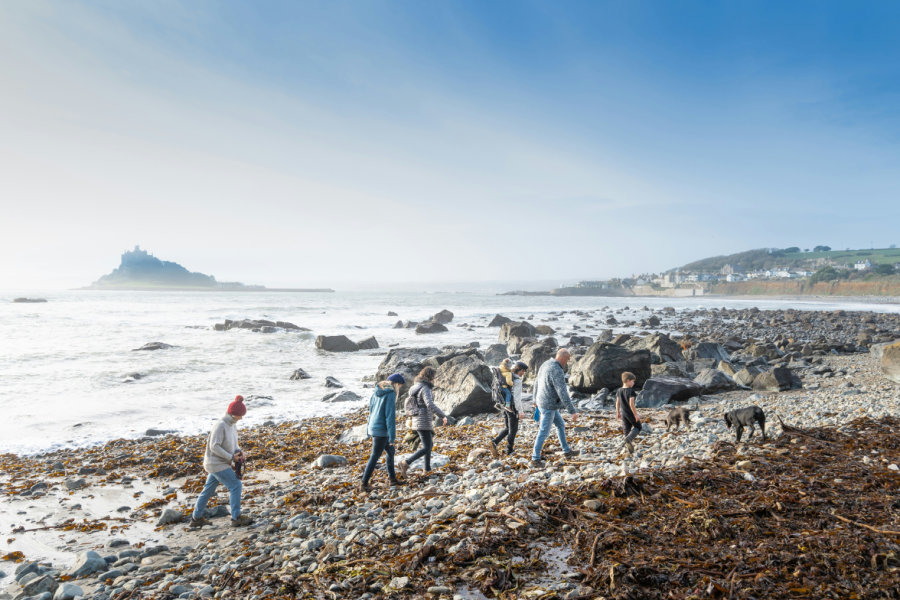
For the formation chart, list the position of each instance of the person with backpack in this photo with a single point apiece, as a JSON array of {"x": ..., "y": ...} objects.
[
  {"x": 420, "y": 405},
  {"x": 382, "y": 428},
  {"x": 508, "y": 380}
]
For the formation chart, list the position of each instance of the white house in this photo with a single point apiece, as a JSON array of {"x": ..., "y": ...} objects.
[
  {"x": 862, "y": 265},
  {"x": 732, "y": 277}
]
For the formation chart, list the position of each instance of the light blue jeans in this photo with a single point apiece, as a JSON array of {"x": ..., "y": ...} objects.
[
  {"x": 549, "y": 417},
  {"x": 227, "y": 478}
]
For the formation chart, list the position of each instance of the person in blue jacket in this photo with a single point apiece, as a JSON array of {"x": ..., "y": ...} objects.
[{"x": 382, "y": 427}]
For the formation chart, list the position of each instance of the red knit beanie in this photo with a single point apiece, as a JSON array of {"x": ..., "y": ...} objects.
[{"x": 237, "y": 407}]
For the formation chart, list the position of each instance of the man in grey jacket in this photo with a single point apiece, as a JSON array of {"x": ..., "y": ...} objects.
[
  {"x": 550, "y": 396},
  {"x": 221, "y": 449}
]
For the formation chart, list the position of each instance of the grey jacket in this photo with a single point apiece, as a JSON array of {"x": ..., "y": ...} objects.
[
  {"x": 221, "y": 445},
  {"x": 550, "y": 391},
  {"x": 516, "y": 392},
  {"x": 427, "y": 408}
]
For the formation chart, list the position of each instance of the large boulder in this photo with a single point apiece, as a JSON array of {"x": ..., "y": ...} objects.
[
  {"x": 370, "y": 343},
  {"x": 602, "y": 367},
  {"x": 336, "y": 343},
  {"x": 406, "y": 361},
  {"x": 709, "y": 350},
  {"x": 430, "y": 327},
  {"x": 41, "y": 585},
  {"x": 665, "y": 390},
  {"x": 462, "y": 387},
  {"x": 495, "y": 354},
  {"x": 746, "y": 375},
  {"x": 726, "y": 367},
  {"x": 714, "y": 381},
  {"x": 534, "y": 355},
  {"x": 450, "y": 353},
  {"x": 86, "y": 564},
  {"x": 580, "y": 340},
  {"x": 516, "y": 344},
  {"x": 778, "y": 379},
  {"x": 544, "y": 330},
  {"x": 499, "y": 320},
  {"x": 445, "y": 316},
  {"x": 890, "y": 362},
  {"x": 521, "y": 329},
  {"x": 659, "y": 344},
  {"x": 877, "y": 350},
  {"x": 300, "y": 374},
  {"x": 668, "y": 369},
  {"x": 342, "y": 396}
]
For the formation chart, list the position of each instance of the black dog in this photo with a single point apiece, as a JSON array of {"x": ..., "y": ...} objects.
[
  {"x": 746, "y": 417},
  {"x": 677, "y": 416}
]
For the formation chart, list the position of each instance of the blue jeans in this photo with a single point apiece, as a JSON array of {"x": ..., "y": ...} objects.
[
  {"x": 549, "y": 417},
  {"x": 227, "y": 478}
]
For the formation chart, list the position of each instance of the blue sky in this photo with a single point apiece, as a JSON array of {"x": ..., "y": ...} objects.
[{"x": 293, "y": 143}]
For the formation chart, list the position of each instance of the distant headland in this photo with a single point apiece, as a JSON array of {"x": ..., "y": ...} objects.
[{"x": 141, "y": 271}]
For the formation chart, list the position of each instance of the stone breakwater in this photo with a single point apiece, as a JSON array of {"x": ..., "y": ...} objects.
[{"x": 710, "y": 515}]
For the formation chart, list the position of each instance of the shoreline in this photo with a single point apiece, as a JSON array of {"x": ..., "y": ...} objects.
[{"x": 789, "y": 297}]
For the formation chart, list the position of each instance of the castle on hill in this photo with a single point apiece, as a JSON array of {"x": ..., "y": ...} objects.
[{"x": 139, "y": 268}]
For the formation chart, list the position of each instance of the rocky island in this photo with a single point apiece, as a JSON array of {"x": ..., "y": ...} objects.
[{"x": 140, "y": 270}]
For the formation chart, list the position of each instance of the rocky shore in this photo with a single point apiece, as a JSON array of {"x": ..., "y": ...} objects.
[{"x": 690, "y": 514}]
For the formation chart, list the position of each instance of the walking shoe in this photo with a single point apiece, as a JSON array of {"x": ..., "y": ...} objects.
[
  {"x": 494, "y": 452},
  {"x": 395, "y": 483},
  {"x": 201, "y": 522},
  {"x": 538, "y": 464},
  {"x": 241, "y": 521},
  {"x": 404, "y": 467},
  {"x": 571, "y": 453},
  {"x": 510, "y": 453},
  {"x": 365, "y": 487},
  {"x": 630, "y": 447}
]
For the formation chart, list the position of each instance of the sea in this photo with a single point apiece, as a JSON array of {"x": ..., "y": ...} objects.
[{"x": 67, "y": 365}]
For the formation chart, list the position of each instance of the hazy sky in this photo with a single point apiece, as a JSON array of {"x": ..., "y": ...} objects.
[{"x": 296, "y": 143}]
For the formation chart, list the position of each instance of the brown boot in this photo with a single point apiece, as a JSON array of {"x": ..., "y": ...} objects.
[
  {"x": 365, "y": 487},
  {"x": 493, "y": 448},
  {"x": 395, "y": 483},
  {"x": 404, "y": 467}
]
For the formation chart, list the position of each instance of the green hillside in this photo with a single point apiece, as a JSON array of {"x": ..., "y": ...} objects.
[{"x": 768, "y": 258}]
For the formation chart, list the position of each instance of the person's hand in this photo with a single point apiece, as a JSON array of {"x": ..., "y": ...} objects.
[
  {"x": 239, "y": 455},
  {"x": 521, "y": 415},
  {"x": 618, "y": 415},
  {"x": 445, "y": 421},
  {"x": 575, "y": 417}
]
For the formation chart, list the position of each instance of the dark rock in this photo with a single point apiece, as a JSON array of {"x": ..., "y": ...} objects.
[
  {"x": 495, "y": 354},
  {"x": 410, "y": 325},
  {"x": 391, "y": 313},
  {"x": 443, "y": 317},
  {"x": 462, "y": 387},
  {"x": 544, "y": 330},
  {"x": 714, "y": 381},
  {"x": 39, "y": 586},
  {"x": 520, "y": 329},
  {"x": 153, "y": 346},
  {"x": 890, "y": 362},
  {"x": 430, "y": 327},
  {"x": 620, "y": 339},
  {"x": 659, "y": 344},
  {"x": 778, "y": 379},
  {"x": 29, "y": 300},
  {"x": 516, "y": 344},
  {"x": 300, "y": 374},
  {"x": 406, "y": 361},
  {"x": 708, "y": 350},
  {"x": 336, "y": 343},
  {"x": 499, "y": 320},
  {"x": 450, "y": 353},
  {"x": 398, "y": 325},
  {"x": 653, "y": 321},
  {"x": 331, "y": 382},
  {"x": 603, "y": 364},
  {"x": 370, "y": 343},
  {"x": 746, "y": 375},
  {"x": 665, "y": 390},
  {"x": 158, "y": 432},
  {"x": 342, "y": 396},
  {"x": 535, "y": 355},
  {"x": 580, "y": 340},
  {"x": 289, "y": 326}
]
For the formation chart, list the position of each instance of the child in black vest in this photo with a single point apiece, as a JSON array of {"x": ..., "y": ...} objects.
[{"x": 625, "y": 410}]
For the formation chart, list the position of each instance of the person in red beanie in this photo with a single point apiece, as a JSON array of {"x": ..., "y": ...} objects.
[{"x": 221, "y": 449}]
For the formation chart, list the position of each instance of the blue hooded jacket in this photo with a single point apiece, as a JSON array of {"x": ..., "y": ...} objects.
[{"x": 382, "y": 414}]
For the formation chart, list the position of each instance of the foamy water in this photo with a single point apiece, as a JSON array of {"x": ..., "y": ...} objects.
[{"x": 64, "y": 365}]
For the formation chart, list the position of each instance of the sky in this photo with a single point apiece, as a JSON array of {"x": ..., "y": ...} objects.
[{"x": 359, "y": 144}]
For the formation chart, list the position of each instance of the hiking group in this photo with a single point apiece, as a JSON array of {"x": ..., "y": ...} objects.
[{"x": 223, "y": 458}]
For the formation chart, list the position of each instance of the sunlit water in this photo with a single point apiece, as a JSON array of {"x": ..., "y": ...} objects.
[{"x": 64, "y": 365}]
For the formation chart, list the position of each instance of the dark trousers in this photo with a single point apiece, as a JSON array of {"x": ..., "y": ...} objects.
[
  {"x": 427, "y": 437},
  {"x": 630, "y": 431},
  {"x": 379, "y": 446},
  {"x": 511, "y": 419}
]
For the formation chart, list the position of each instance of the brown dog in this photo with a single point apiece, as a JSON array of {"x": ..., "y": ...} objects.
[{"x": 677, "y": 416}]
